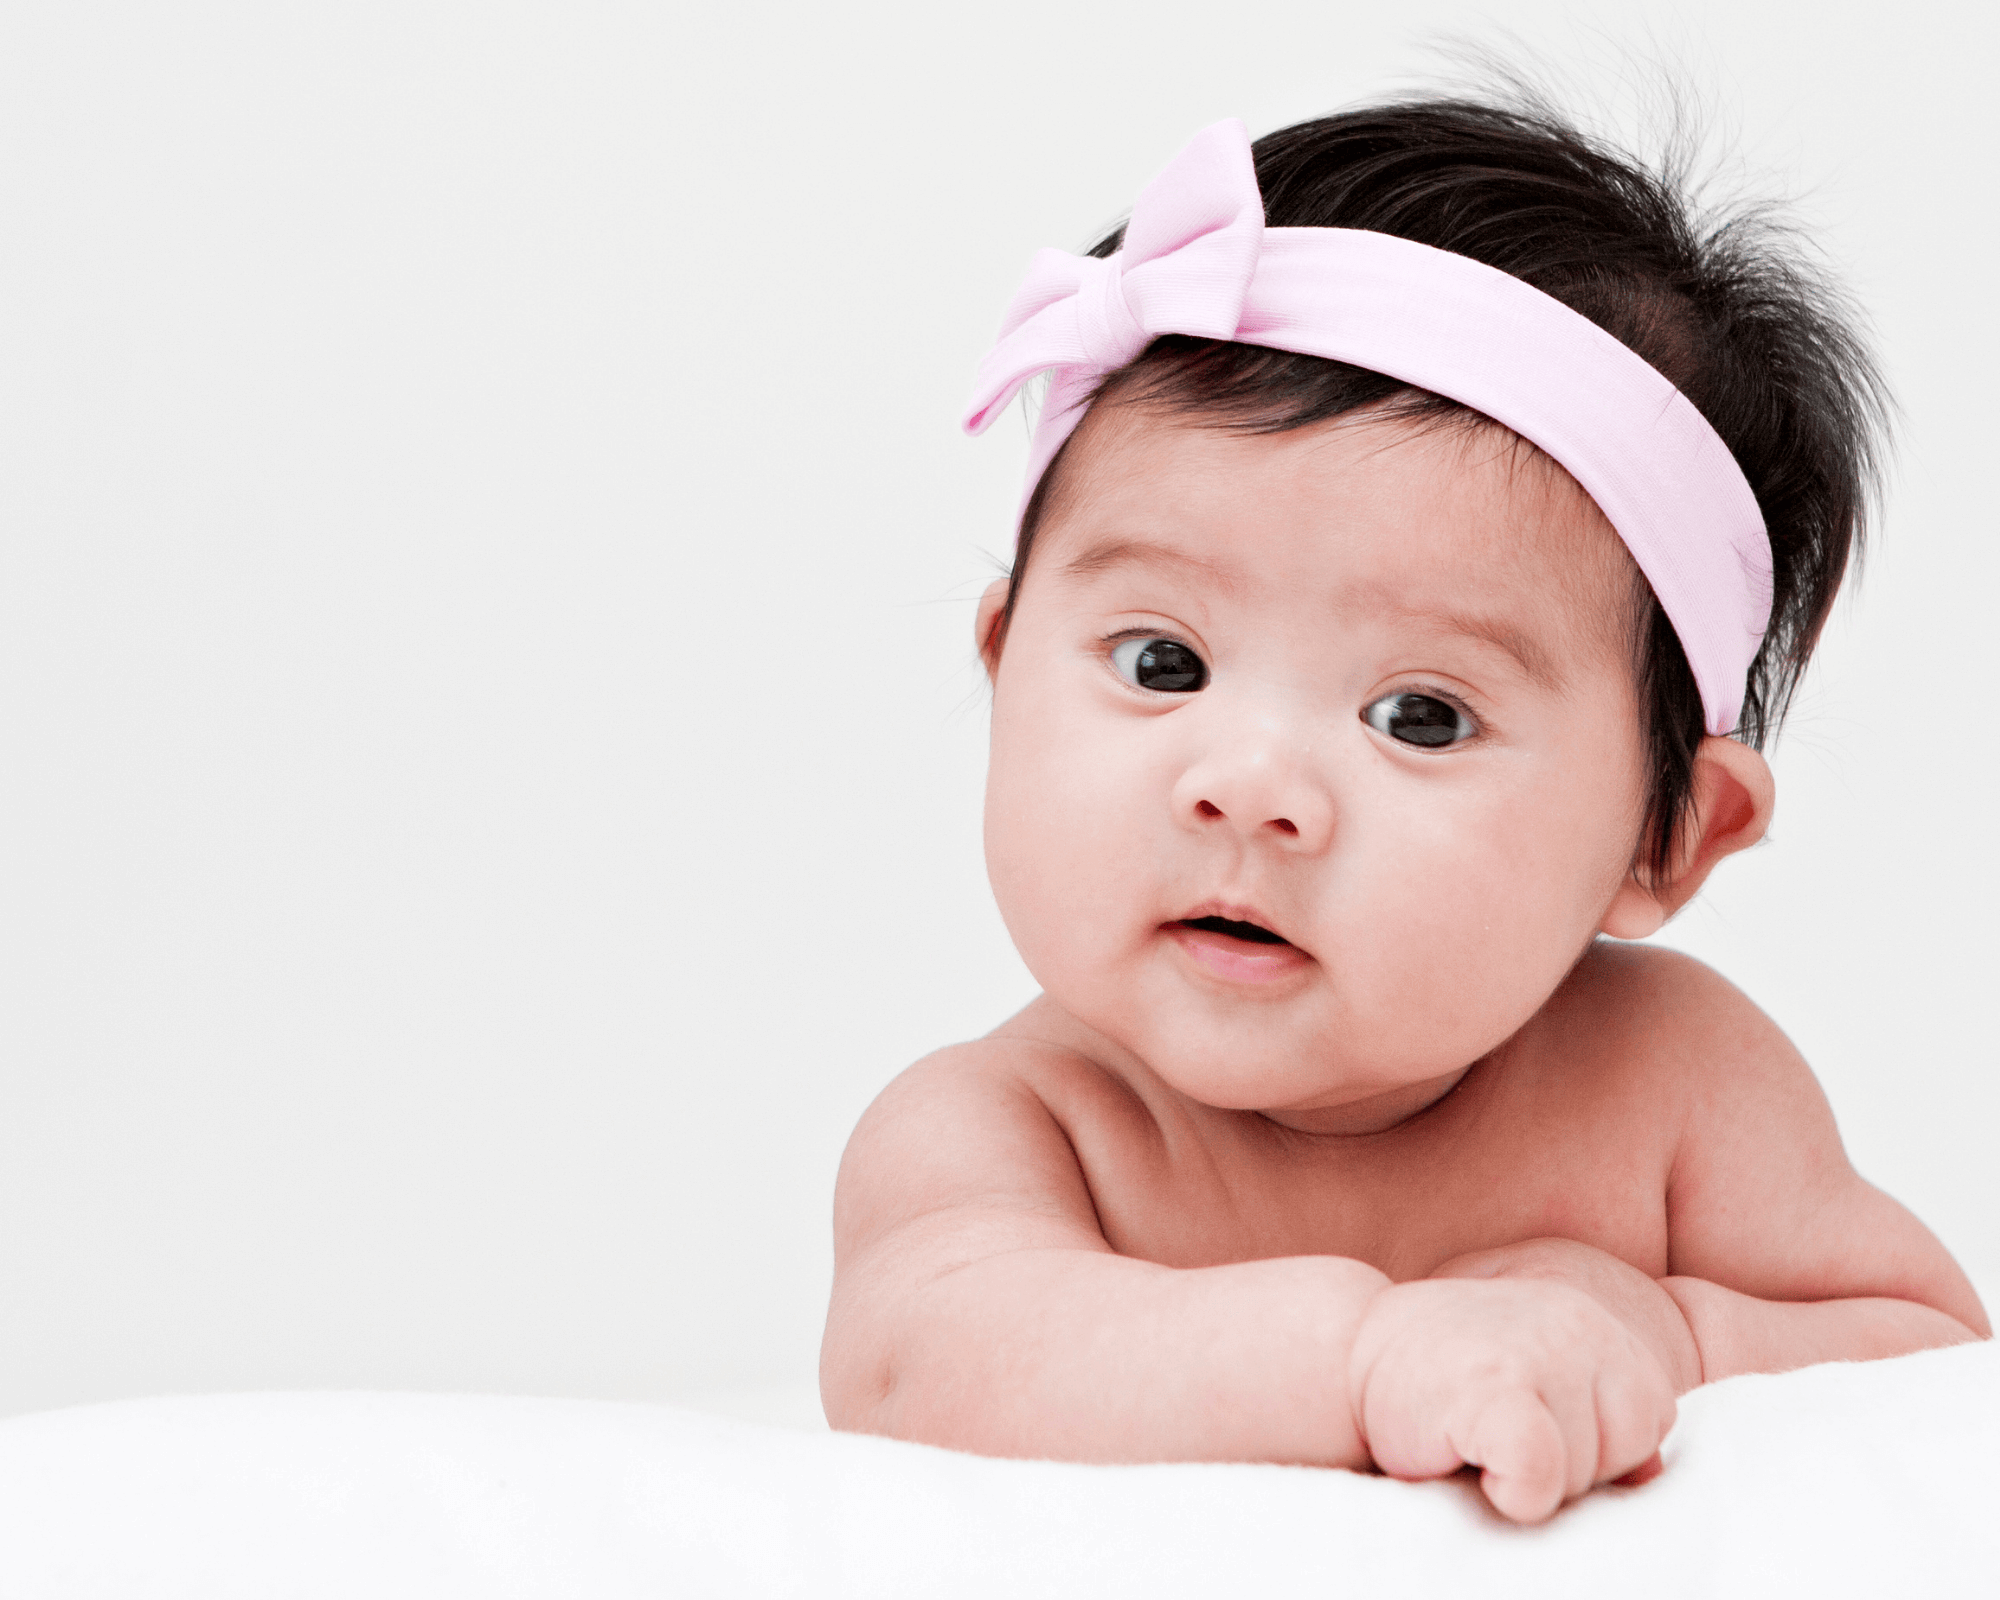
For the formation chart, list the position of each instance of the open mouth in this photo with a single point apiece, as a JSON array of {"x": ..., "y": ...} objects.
[{"x": 1248, "y": 932}]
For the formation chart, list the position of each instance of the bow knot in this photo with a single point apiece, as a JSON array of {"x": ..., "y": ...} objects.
[
  {"x": 1108, "y": 333},
  {"x": 1189, "y": 254}
]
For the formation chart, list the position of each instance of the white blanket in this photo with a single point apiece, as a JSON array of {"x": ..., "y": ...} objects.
[{"x": 1880, "y": 1479}]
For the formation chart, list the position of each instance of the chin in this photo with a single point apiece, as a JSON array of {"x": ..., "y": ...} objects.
[
  {"x": 1243, "y": 1085},
  {"x": 1294, "y": 1071}
]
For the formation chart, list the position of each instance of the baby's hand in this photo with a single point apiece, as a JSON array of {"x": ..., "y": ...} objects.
[{"x": 1533, "y": 1382}]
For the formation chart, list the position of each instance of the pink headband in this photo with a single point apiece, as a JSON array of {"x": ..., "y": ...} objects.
[{"x": 1197, "y": 259}]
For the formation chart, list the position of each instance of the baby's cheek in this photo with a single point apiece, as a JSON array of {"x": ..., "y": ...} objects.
[
  {"x": 1475, "y": 914},
  {"x": 1057, "y": 839}
]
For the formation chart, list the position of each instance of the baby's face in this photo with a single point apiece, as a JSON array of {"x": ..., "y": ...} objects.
[{"x": 1363, "y": 685}]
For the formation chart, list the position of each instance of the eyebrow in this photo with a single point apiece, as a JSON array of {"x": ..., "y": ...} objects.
[
  {"x": 1526, "y": 652},
  {"x": 1113, "y": 553}
]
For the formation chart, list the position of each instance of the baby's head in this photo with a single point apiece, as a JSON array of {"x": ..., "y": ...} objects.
[{"x": 1332, "y": 719}]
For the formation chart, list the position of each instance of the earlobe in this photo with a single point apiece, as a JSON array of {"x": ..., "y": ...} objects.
[
  {"x": 1729, "y": 810},
  {"x": 987, "y": 636},
  {"x": 1635, "y": 911}
]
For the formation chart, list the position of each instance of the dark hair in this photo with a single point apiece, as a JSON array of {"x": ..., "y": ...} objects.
[{"x": 1729, "y": 308}]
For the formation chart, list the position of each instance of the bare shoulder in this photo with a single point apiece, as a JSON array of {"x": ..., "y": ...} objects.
[
  {"x": 1761, "y": 1195},
  {"x": 1654, "y": 1033},
  {"x": 1713, "y": 1067},
  {"x": 980, "y": 1128},
  {"x": 1662, "y": 1001},
  {"x": 1005, "y": 1065}
]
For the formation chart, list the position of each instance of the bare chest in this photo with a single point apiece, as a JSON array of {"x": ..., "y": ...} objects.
[{"x": 1224, "y": 1186}]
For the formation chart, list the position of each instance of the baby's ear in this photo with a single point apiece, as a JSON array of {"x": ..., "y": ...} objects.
[
  {"x": 986, "y": 630},
  {"x": 1729, "y": 810}
]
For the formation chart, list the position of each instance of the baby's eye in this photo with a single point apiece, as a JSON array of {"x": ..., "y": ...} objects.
[
  {"x": 1162, "y": 664},
  {"x": 1419, "y": 719}
]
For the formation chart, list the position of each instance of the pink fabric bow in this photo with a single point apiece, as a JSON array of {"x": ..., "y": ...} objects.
[{"x": 1186, "y": 263}]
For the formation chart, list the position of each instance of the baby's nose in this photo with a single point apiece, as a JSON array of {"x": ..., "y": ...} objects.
[
  {"x": 1264, "y": 794},
  {"x": 1285, "y": 825}
]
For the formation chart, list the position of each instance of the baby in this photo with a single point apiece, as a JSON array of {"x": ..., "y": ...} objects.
[{"x": 1427, "y": 525}]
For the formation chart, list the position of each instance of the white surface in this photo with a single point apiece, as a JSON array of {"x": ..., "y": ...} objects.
[
  {"x": 489, "y": 760},
  {"x": 1869, "y": 1480},
  {"x": 777, "y": 1405}
]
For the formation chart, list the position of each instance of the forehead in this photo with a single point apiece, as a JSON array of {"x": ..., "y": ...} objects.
[{"x": 1366, "y": 510}]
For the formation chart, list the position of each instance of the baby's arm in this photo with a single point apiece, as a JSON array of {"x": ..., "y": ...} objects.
[
  {"x": 1780, "y": 1254},
  {"x": 977, "y": 1305}
]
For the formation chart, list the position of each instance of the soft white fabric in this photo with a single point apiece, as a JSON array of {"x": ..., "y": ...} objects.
[{"x": 1878, "y": 1479}]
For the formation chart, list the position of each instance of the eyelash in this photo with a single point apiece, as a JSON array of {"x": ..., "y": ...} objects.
[
  {"x": 1111, "y": 641},
  {"x": 1146, "y": 633},
  {"x": 1449, "y": 696}
]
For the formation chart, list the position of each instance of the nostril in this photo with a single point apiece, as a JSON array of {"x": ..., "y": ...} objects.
[
  {"x": 1285, "y": 825},
  {"x": 1203, "y": 808}
]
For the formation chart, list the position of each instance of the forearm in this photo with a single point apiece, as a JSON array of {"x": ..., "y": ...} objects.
[
  {"x": 1635, "y": 1299},
  {"x": 1702, "y": 1331},
  {"x": 1087, "y": 1356},
  {"x": 1738, "y": 1333}
]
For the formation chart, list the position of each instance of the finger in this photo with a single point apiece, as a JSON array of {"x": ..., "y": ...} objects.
[
  {"x": 1645, "y": 1472},
  {"x": 1576, "y": 1413},
  {"x": 1634, "y": 1410},
  {"x": 1573, "y": 1407},
  {"x": 1405, "y": 1441},
  {"x": 1520, "y": 1446},
  {"x": 1414, "y": 1453}
]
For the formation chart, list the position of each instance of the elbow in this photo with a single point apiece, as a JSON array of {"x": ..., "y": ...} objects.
[
  {"x": 851, "y": 1407},
  {"x": 858, "y": 1379},
  {"x": 1960, "y": 1325},
  {"x": 1965, "y": 1309}
]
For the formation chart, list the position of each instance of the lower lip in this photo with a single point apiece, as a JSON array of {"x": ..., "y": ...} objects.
[{"x": 1237, "y": 960}]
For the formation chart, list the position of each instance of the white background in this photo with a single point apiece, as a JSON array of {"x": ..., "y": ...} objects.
[{"x": 489, "y": 749}]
